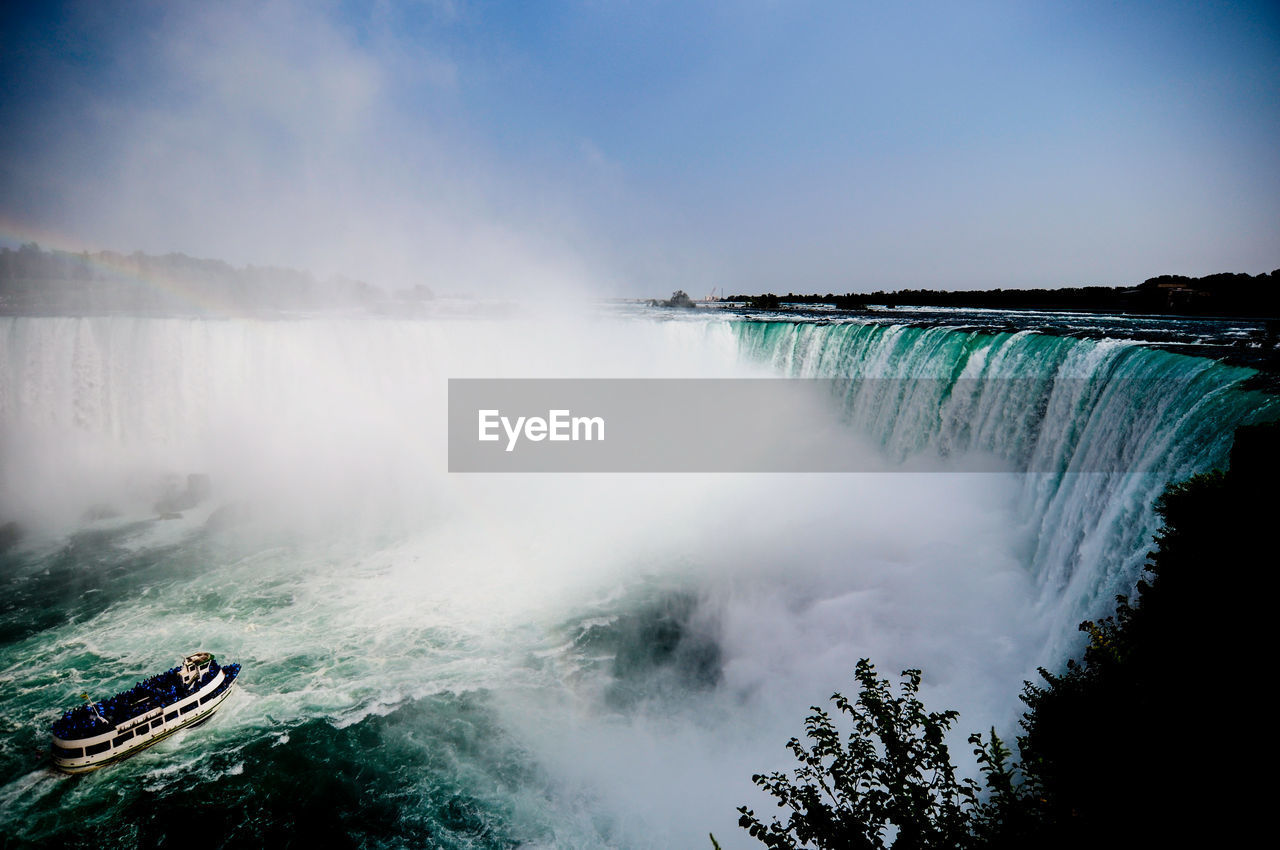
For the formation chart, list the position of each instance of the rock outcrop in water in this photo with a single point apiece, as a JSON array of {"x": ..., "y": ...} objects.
[
  {"x": 10, "y": 534},
  {"x": 230, "y": 515},
  {"x": 175, "y": 499},
  {"x": 99, "y": 511}
]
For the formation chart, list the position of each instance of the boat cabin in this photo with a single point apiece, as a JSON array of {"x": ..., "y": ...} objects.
[{"x": 194, "y": 666}]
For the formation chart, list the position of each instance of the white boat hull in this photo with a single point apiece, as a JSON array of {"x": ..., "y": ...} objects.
[{"x": 85, "y": 754}]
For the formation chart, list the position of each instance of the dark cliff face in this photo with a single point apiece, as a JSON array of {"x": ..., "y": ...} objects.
[{"x": 1159, "y": 718}]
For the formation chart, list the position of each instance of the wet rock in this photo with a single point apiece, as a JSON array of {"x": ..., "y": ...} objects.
[
  {"x": 10, "y": 533},
  {"x": 177, "y": 498},
  {"x": 230, "y": 515},
  {"x": 100, "y": 511}
]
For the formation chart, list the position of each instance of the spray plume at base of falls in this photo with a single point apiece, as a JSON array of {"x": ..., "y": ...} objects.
[{"x": 543, "y": 660}]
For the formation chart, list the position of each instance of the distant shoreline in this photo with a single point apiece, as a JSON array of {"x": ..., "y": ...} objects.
[{"x": 1224, "y": 295}]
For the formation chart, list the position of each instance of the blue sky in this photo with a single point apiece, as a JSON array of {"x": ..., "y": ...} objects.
[{"x": 633, "y": 147}]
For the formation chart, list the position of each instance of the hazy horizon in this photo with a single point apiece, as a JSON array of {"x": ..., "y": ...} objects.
[{"x": 620, "y": 149}]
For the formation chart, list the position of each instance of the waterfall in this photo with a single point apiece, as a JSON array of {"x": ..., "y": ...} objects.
[
  {"x": 338, "y": 403},
  {"x": 1112, "y": 423},
  {"x": 569, "y": 660}
]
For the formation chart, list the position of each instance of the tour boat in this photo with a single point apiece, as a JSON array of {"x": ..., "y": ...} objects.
[{"x": 96, "y": 734}]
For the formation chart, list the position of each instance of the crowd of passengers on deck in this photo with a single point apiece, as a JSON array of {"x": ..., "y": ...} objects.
[{"x": 162, "y": 689}]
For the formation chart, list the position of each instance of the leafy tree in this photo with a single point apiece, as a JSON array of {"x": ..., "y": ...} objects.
[
  {"x": 890, "y": 781},
  {"x": 1010, "y": 815}
]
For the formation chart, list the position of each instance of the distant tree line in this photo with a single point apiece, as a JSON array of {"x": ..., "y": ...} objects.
[
  {"x": 1157, "y": 737},
  {"x": 1218, "y": 294},
  {"x": 769, "y": 301},
  {"x": 679, "y": 298},
  {"x": 36, "y": 281}
]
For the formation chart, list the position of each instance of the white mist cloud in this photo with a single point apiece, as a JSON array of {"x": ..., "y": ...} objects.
[{"x": 275, "y": 135}]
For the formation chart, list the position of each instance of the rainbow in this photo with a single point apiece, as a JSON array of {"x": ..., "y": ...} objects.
[{"x": 123, "y": 268}]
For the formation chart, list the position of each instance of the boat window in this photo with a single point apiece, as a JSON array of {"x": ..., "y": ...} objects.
[
  {"x": 203, "y": 700},
  {"x": 97, "y": 748},
  {"x": 170, "y": 716},
  {"x": 187, "y": 708},
  {"x": 62, "y": 752},
  {"x": 157, "y": 723},
  {"x": 120, "y": 739}
]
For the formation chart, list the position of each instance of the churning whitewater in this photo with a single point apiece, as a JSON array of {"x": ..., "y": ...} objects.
[{"x": 538, "y": 660}]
